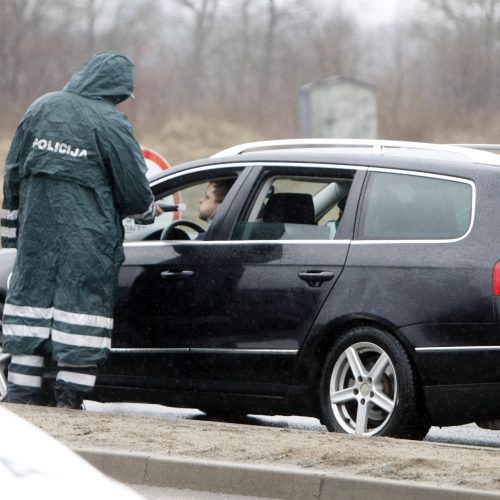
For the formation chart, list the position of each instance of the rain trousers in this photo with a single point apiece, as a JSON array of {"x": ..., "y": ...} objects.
[{"x": 74, "y": 170}]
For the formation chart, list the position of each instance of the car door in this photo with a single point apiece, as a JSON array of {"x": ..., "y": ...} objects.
[
  {"x": 156, "y": 288},
  {"x": 267, "y": 282}
]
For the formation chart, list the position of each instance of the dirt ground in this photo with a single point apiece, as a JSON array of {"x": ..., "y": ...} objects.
[{"x": 463, "y": 466}]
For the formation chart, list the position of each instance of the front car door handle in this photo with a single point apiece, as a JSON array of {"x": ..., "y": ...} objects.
[
  {"x": 185, "y": 273},
  {"x": 316, "y": 278}
]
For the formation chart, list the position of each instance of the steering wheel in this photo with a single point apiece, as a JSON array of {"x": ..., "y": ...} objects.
[{"x": 165, "y": 234}]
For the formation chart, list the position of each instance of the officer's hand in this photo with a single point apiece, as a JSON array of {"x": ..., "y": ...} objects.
[{"x": 158, "y": 210}]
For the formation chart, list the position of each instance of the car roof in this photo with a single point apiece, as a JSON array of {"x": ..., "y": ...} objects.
[{"x": 426, "y": 157}]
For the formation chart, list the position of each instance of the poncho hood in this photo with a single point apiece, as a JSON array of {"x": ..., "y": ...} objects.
[{"x": 107, "y": 76}]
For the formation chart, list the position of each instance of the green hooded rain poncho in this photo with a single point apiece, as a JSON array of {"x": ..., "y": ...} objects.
[{"x": 73, "y": 172}]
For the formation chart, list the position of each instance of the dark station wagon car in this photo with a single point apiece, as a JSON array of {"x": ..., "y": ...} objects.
[{"x": 354, "y": 281}]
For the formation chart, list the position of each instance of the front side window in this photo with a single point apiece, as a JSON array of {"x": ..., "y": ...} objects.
[
  {"x": 295, "y": 208},
  {"x": 411, "y": 207},
  {"x": 189, "y": 209}
]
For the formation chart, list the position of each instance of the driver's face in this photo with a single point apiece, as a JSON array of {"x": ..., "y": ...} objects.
[{"x": 208, "y": 204}]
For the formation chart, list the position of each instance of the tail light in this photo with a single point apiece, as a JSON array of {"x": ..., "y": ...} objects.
[{"x": 496, "y": 279}]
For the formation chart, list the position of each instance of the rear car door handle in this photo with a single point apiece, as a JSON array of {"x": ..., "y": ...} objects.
[
  {"x": 185, "y": 273},
  {"x": 316, "y": 278}
]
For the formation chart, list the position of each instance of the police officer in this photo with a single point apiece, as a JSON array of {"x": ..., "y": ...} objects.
[{"x": 74, "y": 170}]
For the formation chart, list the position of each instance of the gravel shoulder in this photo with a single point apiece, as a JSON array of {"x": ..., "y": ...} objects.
[{"x": 438, "y": 464}]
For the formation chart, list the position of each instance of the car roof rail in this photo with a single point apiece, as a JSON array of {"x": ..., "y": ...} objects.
[
  {"x": 312, "y": 143},
  {"x": 378, "y": 146},
  {"x": 481, "y": 147}
]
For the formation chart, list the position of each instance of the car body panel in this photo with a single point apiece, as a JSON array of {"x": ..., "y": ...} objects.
[
  {"x": 154, "y": 315},
  {"x": 232, "y": 319}
]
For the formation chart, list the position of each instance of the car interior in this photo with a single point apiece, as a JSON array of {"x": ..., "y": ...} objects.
[{"x": 295, "y": 209}]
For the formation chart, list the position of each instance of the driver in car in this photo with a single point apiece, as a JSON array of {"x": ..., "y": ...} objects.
[
  {"x": 214, "y": 195},
  {"x": 209, "y": 203}
]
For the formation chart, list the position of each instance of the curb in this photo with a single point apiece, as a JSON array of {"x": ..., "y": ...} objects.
[{"x": 291, "y": 483}]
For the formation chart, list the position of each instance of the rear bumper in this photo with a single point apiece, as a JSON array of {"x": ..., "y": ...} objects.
[
  {"x": 461, "y": 404},
  {"x": 460, "y": 385},
  {"x": 454, "y": 354},
  {"x": 458, "y": 367}
]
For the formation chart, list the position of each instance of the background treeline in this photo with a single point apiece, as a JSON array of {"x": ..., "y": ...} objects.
[{"x": 211, "y": 73}]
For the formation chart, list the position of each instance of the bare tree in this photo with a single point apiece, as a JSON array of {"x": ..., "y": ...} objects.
[
  {"x": 205, "y": 12},
  {"x": 244, "y": 60},
  {"x": 474, "y": 42}
]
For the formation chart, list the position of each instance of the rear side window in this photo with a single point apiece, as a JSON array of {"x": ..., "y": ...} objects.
[{"x": 410, "y": 207}]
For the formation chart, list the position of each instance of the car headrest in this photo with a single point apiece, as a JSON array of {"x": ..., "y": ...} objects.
[{"x": 296, "y": 208}]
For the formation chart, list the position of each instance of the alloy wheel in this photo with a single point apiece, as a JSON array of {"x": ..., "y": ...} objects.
[{"x": 363, "y": 389}]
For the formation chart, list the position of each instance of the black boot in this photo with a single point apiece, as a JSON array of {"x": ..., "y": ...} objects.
[
  {"x": 24, "y": 395},
  {"x": 68, "y": 398}
]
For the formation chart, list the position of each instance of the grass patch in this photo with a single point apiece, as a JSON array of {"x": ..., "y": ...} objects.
[{"x": 190, "y": 138}]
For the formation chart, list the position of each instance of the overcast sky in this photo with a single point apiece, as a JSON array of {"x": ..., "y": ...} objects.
[{"x": 380, "y": 11}]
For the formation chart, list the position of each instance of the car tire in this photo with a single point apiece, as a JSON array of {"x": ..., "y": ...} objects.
[{"x": 368, "y": 387}]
